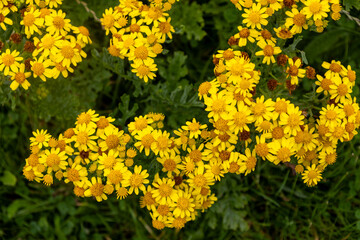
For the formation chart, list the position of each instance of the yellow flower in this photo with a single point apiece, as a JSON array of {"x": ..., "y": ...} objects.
[
  {"x": 215, "y": 169},
  {"x": 340, "y": 89},
  {"x": 84, "y": 138},
  {"x": 109, "y": 20},
  {"x": 32, "y": 22},
  {"x": 9, "y": 61},
  {"x": 292, "y": 120},
  {"x": 112, "y": 138},
  {"x": 194, "y": 128},
  {"x": 255, "y": 16},
  {"x": 96, "y": 189},
  {"x": 170, "y": 163},
  {"x": 294, "y": 71},
  {"x": 316, "y": 9},
  {"x": 312, "y": 175},
  {"x": 4, "y": 19},
  {"x": 262, "y": 110},
  {"x": 331, "y": 115},
  {"x": 297, "y": 20},
  {"x": 145, "y": 141},
  {"x": 39, "y": 67},
  {"x": 335, "y": 69},
  {"x": 20, "y": 78},
  {"x": 40, "y": 138},
  {"x": 163, "y": 191},
  {"x": 324, "y": 84},
  {"x": 107, "y": 162},
  {"x": 199, "y": 178},
  {"x": 281, "y": 150},
  {"x": 164, "y": 29},
  {"x": 57, "y": 24},
  {"x": 140, "y": 123},
  {"x": 68, "y": 53},
  {"x": 183, "y": 204},
  {"x": 248, "y": 162},
  {"x": 54, "y": 160},
  {"x": 47, "y": 46},
  {"x": 238, "y": 71},
  {"x": 77, "y": 174},
  {"x": 144, "y": 69},
  {"x": 162, "y": 143},
  {"x": 245, "y": 35},
  {"x": 136, "y": 180},
  {"x": 268, "y": 51}
]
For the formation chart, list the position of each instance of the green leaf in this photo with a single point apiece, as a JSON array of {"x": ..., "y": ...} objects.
[
  {"x": 357, "y": 214},
  {"x": 8, "y": 178},
  {"x": 349, "y": 4},
  {"x": 124, "y": 109},
  {"x": 174, "y": 68},
  {"x": 189, "y": 18}
]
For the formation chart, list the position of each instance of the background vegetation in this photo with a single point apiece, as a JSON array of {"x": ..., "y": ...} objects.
[{"x": 271, "y": 203}]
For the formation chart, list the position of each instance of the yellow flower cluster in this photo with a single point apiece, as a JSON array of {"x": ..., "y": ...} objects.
[
  {"x": 279, "y": 129},
  {"x": 298, "y": 15},
  {"x": 138, "y": 32},
  {"x": 46, "y": 45}
]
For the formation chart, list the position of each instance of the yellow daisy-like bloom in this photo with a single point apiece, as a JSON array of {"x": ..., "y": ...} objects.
[
  {"x": 88, "y": 118},
  {"x": 144, "y": 69},
  {"x": 268, "y": 51},
  {"x": 109, "y": 20},
  {"x": 108, "y": 161},
  {"x": 216, "y": 169},
  {"x": 96, "y": 189},
  {"x": 145, "y": 141},
  {"x": 217, "y": 105},
  {"x": 335, "y": 69},
  {"x": 324, "y": 84},
  {"x": 255, "y": 16},
  {"x": 199, "y": 178},
  {"x": 140, "y": 123},
  {"x": 297, "y": 20},
  {"x": 238, "y": 69},
  {"x": 183, "y": 204},
  {"x": 40, "y": 138},
  {"x": 48, "y": 45},
  {"x": 147, "y": 200},
  {"x": 10, "y": 61},
  {"x": 331, "y": 116},
  {"x": 194, "y": 128},
  {"x": 248, "y": 161},
  {"x": 54, "y": 160},
  {"x": 312, "y": 175},
  {"x": 341, "y": 89},
  {"x": 292, "y": 120},
  {"x": 116, "y": 176},
  {"x": 163, "y": 191},
  {"x": 136, "y": 180},
  {"x": 240, "y": 118},
  {"x": 84, "y": 138},
  {"x": 39, "y": 67},
  {"x": 77, "y": 174},
  {"x": 4, "y": 19},
  {"x": 281, "y": 150},
  {"x": 307, "y": 139},
  {"x": 32, "y": 22},
  {"x": 351, "y": 75},
  {"x": 57, "y": 24},
  {"x": 61, "y": 69},
  {"x": 262, "y": 110},
  {"x": 170, "y": 163},
  {"x": 68, "y": 53},
  {"x": 112, "y": 137},
  {"x": 164, "y": 29},
  {"x": 245, "y": 35},
  {"x": 162, "y": 143},
  {"x": 20, "y": 78},
  {"x": 83, "y": 34},
  {"x": 327, "y": 157},
  {"x": 316, "y": 8},
  {"x": 280, "y": 106},
  {"x": 141, "y": 51},
  {"x": 294, "y": 71}
]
